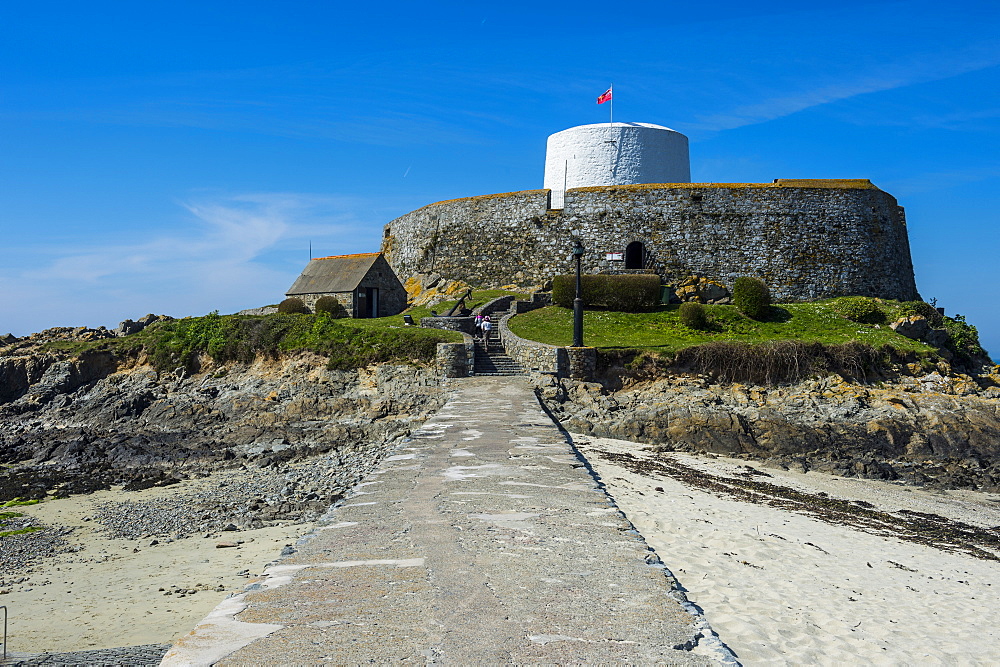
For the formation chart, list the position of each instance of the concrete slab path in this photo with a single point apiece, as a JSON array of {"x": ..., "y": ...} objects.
[{"x": 483, "y": 539}]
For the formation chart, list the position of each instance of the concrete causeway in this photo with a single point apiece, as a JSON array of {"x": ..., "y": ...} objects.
[{"x": 482, "y": 539}]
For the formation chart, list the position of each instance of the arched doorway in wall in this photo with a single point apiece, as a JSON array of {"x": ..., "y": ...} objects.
[{"x": 635, "y": 255}]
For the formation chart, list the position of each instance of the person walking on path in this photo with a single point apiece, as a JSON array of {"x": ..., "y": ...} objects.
[
  {"x": 478, "y": 326},
  {"x": 487, "y": 327}
]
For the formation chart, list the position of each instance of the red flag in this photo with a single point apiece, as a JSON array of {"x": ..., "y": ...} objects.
[{"x": 605, "y": 97}]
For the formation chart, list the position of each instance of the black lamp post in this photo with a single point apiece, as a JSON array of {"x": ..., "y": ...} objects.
[{"x": 578, "y": 301}]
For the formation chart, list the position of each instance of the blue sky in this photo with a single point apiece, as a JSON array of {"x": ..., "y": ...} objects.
[{"x": 179, "y": 157}]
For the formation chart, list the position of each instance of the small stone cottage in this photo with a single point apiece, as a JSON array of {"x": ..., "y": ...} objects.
[{"x": 364, "y": 284}]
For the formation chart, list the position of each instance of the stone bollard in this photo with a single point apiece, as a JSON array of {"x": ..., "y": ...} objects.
[
  {"x": 452, "y": 360},
  {"x": 581, "y": 362}
]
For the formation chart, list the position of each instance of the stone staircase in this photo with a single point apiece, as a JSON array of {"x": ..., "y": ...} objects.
[{"x": 493, "y": 360}]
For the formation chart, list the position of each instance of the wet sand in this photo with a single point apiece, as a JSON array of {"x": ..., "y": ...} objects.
[{"x": 109, "y": 594}]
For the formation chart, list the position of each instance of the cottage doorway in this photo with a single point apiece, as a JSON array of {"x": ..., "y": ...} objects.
[
  {"x": 367, "y": 302},
  {"x": 635, "y": 255}
]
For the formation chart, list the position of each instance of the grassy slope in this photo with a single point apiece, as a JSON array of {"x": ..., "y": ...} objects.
[
  {"x": 661, "y": 330},
  {"x": 349, "y": 343}
]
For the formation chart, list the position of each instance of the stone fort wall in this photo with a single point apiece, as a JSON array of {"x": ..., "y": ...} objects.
[{"x": 807, "y": 239}]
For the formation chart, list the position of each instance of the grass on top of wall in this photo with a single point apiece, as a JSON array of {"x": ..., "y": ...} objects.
[{"x": 662, "y": 331}]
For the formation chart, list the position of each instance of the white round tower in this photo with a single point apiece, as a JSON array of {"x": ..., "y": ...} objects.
[{"x": 614, "y": 154}]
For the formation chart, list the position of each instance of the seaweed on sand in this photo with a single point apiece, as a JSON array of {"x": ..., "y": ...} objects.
[{"x": 928, "y": 529}]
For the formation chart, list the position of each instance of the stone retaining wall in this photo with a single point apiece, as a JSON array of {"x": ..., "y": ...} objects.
[
  {"x": 499, "y": 304},
  {"x": 458, "y": 359},
  {"x": 576, "y": 362},
  {"x": 512, "y": 304},
  {"x": 477, "y": 237},
  {"x": 538, "y": 300},
  {"x": 263, "y": 310},
  {"x": 463, "y": 324},
  {"x": 807, "y": 239},
  {"x": 530, "y": 355}
]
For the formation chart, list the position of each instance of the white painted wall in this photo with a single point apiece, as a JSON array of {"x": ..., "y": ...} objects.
[{"x": 618, "y": 154}]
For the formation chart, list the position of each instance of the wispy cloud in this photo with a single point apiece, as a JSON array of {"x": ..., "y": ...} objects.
[
  {"x": 236, "y": 252},
  {"x": 915, "y": 69},
  {"x": 224, "y": 231},
  {"x": 965, "y": 120}
]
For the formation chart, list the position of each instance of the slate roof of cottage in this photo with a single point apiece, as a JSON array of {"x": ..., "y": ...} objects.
[{"x": 340, "y": 273}]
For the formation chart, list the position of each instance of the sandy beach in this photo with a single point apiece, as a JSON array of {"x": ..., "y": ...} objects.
[
  {"x": 791, "y": 577},
  {"x": 112, "y": 592},
  {"x": 789, "y": 568}
]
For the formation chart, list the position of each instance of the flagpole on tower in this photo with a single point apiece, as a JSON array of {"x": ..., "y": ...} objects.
[{"x": 608, "y": 96}]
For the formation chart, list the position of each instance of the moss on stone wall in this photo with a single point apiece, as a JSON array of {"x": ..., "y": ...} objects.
[
  {"x": 499, "y": 195},
  {"x": 808, "y": 239},
  {"x": 821, "y": 183}
]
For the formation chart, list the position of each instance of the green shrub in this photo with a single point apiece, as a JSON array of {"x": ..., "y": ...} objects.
[
  {"x": 923, "y": 309},
  {"x": 625, "y": 293},
  {"x": 293, "y": 305},
  {"x": 693, "y": 315},
  {"x": 633, "y": 293},
  {"x": 331, "y": 306},
  {"x": 564, "y": 291},
  {"x": 964, "y": 340},
  {"x": 862, "y": 309},
  {"x": 751, "y": 297}
]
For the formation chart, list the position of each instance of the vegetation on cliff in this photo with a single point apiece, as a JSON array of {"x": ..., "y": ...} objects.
[
  {"x": 347, "y": 343},
  {"x": 792, "y": 341},
  {"x": 848, "y": 335}
]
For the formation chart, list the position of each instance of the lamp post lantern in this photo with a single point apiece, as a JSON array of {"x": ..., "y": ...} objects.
[{"x": 578, "y": 301}]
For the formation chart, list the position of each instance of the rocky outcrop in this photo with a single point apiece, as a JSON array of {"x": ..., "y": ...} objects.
[
  {"x": 19, "y": 373},
  {"x": 701, "y": 290},
  {"x": 129, "y": 327},
  {"x": 77, "y": 424},
  {"x": 430, "y": 289},
  {"x": 29, "y": 344},
  {"x": 917, "y": 327},
  {"x": 934, "y": 430}
]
